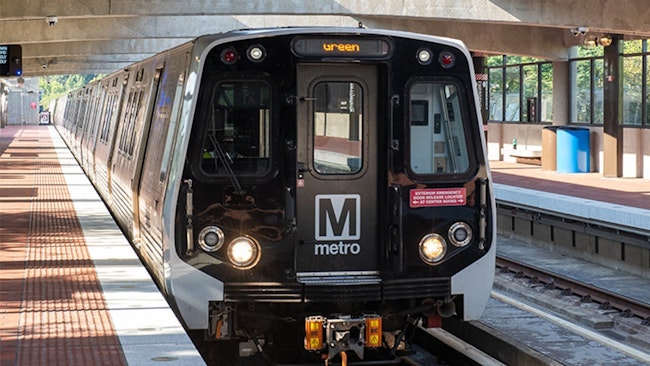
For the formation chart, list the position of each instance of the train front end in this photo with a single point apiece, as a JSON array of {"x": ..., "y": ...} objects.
[{"x": 335, "y": 191}]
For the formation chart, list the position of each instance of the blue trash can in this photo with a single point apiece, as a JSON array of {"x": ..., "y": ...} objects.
[{"x": 572, "y": 152}]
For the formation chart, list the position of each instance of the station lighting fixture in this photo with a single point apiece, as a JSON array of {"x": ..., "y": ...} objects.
[
  {"x": 605, "y": 40},
  {"x": 591, "y": 41}
]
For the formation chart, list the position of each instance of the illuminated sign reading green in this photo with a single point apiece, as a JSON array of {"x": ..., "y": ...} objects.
[
  {"x": 346, "y": 47},
  {"x": 341, "y": 47}
]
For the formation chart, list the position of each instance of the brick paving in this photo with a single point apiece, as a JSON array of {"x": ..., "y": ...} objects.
[{"x": 52, "y": 310}]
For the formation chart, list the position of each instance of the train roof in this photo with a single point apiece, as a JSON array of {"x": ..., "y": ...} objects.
[{"x": 279, "y": 31}]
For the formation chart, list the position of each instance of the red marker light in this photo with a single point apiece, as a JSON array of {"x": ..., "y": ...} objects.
[
  {"x": 229, "y": 56},
  {"x": 446, "y": 59}
]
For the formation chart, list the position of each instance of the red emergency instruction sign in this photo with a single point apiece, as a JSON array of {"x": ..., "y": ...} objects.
[{"x": 433, "y": 197}]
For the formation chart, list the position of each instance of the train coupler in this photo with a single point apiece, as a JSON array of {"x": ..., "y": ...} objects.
[{"x": 343, "y": 333}]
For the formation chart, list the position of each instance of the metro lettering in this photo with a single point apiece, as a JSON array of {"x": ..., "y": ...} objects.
[{"x": 339, "y": 248}]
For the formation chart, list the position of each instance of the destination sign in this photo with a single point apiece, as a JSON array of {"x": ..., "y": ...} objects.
[
  {"x": 345, "y": 47},
  {"x": 11, "y": 60}
]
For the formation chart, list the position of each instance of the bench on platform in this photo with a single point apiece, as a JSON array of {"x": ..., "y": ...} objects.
[{"x": 523, "y": 156}]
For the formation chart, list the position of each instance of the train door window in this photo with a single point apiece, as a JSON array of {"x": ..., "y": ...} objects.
[
  {"x": 238, "y": 132},
  {"x": 437, "y": 130},
  {"x": 169, "y": 141},
  {"x": 338, "y": 117}
]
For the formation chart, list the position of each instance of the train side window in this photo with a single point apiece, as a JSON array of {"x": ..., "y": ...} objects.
[
  {"x": 134, "y": 109},
  {"x": 239, "y": 129},
  {"x": 111, "y": 106},
  {"x": 437, "y": 130},
  {"x": 338, "y": 122}
]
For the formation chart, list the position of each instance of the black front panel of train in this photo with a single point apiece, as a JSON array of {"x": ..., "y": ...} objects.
[
  {"x": 337, "y": 169},
  {"x": 240, "y": 153}
]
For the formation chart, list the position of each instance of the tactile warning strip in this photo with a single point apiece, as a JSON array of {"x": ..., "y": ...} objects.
[{"x": 52, "y": 310}]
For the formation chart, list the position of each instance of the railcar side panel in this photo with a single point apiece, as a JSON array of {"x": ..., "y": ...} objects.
[
  {"x": 157, "y": 156},
  {"x": 90, "y": 139},
  {"x": 131, "y": 141},
  {"x": 114, "y": 86},
  {"x": 80, "y": 122}
]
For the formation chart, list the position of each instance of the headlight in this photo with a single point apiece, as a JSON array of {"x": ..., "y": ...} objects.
[
  {"x": 424, "y": 56},
  {"x": 256, "y": 53},
  {"x": 432, "y": 248},
  {"x": 244, "y": 253},
  {"x": 211, "y": 238},
  {"x": 460, "y": 234}
]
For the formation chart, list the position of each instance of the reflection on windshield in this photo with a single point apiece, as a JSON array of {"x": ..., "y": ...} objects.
[
  {"x": 338, "y": 119},
  {"x": 238, "y": 132},
  {"x": 438, "y": 143}
]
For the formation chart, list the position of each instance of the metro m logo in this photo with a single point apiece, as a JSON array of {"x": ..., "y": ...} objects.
[{"x": 338, "y": 217}]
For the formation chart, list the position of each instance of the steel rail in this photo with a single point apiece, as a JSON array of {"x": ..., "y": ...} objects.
[{"x": 607, "y": 299}]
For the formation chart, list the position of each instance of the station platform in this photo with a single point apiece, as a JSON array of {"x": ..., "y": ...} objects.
[
  {"x": 621, "y": 201},
  {"x": 72, "y": 290}
]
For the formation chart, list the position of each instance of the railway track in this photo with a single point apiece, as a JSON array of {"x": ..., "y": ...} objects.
[{"x": 607, "y": 300}]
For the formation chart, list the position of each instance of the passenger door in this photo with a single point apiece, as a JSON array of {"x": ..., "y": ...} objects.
[{"x": 337, "y": 173}]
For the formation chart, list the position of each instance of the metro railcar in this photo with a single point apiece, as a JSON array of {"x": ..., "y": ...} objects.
[{"x": 298, "y": 193}]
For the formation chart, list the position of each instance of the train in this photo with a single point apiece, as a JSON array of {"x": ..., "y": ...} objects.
[{"x": 298, "y": 193}]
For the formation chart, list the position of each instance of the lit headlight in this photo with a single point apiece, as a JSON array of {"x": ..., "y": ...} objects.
[
  {"x": 256, "y": 53},
  {"x": 424, "y": 56},
  {"x": 244, "y": 253},
  {"x": 460, "y": 234},
  {"x": 432, "y": 248},
  {"x": 211, "y": 238}
]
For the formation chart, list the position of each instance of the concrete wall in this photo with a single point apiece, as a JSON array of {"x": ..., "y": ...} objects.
[
  {"x": 501, "y": 135},
  {"x": 617, "y": 254}
]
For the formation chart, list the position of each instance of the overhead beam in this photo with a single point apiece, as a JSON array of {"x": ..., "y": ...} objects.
[
  {"x": 540, "y": 42},
  {"x": 100, "y": 47},
  {"x": 105, "y": 27},
  {"x": 129, "y": 35},
  {"x": 136, "y": 27},
  {"x": 629, "y": 19}
]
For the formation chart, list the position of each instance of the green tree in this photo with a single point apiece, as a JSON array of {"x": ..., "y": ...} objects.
[{"x": 52, "y": 87}]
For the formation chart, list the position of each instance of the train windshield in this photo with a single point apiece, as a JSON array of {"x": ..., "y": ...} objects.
[
  {"x": 437, "y": 130},
  {"x": 238, "y": 133}
]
